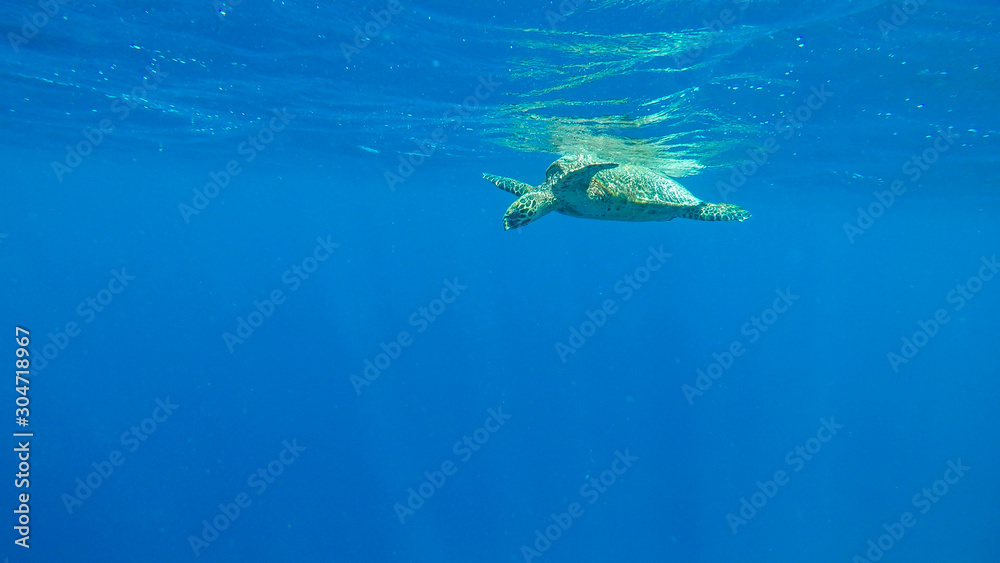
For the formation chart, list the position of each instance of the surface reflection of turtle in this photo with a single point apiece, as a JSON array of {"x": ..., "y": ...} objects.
[{"x": 582, "y": 186}]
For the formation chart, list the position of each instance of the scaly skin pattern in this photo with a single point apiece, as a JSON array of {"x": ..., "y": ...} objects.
[
  {"x": 528, "y": 208},
  {"x": 509, "y": 185},
  {"x": 717, "y": 212}
]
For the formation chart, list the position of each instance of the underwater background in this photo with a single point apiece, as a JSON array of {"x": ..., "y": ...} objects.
[{"x": 272, "y": 314}]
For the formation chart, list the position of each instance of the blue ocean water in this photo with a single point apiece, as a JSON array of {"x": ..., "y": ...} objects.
[{"x": 271, "y": 313}]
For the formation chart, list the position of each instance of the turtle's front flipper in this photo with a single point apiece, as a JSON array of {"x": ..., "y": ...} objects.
[
  {"x": 528, "y": 208},
  {"x": 509, "y": 184},
  {"x": 580, "y": 179}
]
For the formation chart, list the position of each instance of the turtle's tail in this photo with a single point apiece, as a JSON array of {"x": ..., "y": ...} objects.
[
  {"x": 719, "y": 212},
  {"x": 510, "y": 185}
]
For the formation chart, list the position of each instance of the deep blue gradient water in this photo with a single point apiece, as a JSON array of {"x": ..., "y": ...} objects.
[{"x": 273, "y": 314}]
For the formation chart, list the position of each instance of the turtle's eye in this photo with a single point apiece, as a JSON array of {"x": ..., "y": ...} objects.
[{"x": 553, "y": 170}]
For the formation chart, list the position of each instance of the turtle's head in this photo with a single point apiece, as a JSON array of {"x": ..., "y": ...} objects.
[{"x": 720, "y": 212}]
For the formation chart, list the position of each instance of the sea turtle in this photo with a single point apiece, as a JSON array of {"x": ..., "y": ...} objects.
[{"x": 583, "y": 186}]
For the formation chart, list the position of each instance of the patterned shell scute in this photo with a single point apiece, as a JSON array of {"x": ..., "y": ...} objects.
[
  {"x": 641, "y": 186},
  {"x": 626, "y": 184}
]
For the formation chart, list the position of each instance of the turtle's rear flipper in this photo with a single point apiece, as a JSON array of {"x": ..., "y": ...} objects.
[
  {"x": 718, "y": 212},
  {"x": 509, "y": 184},
  {"x": 528, "y": 208}
]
